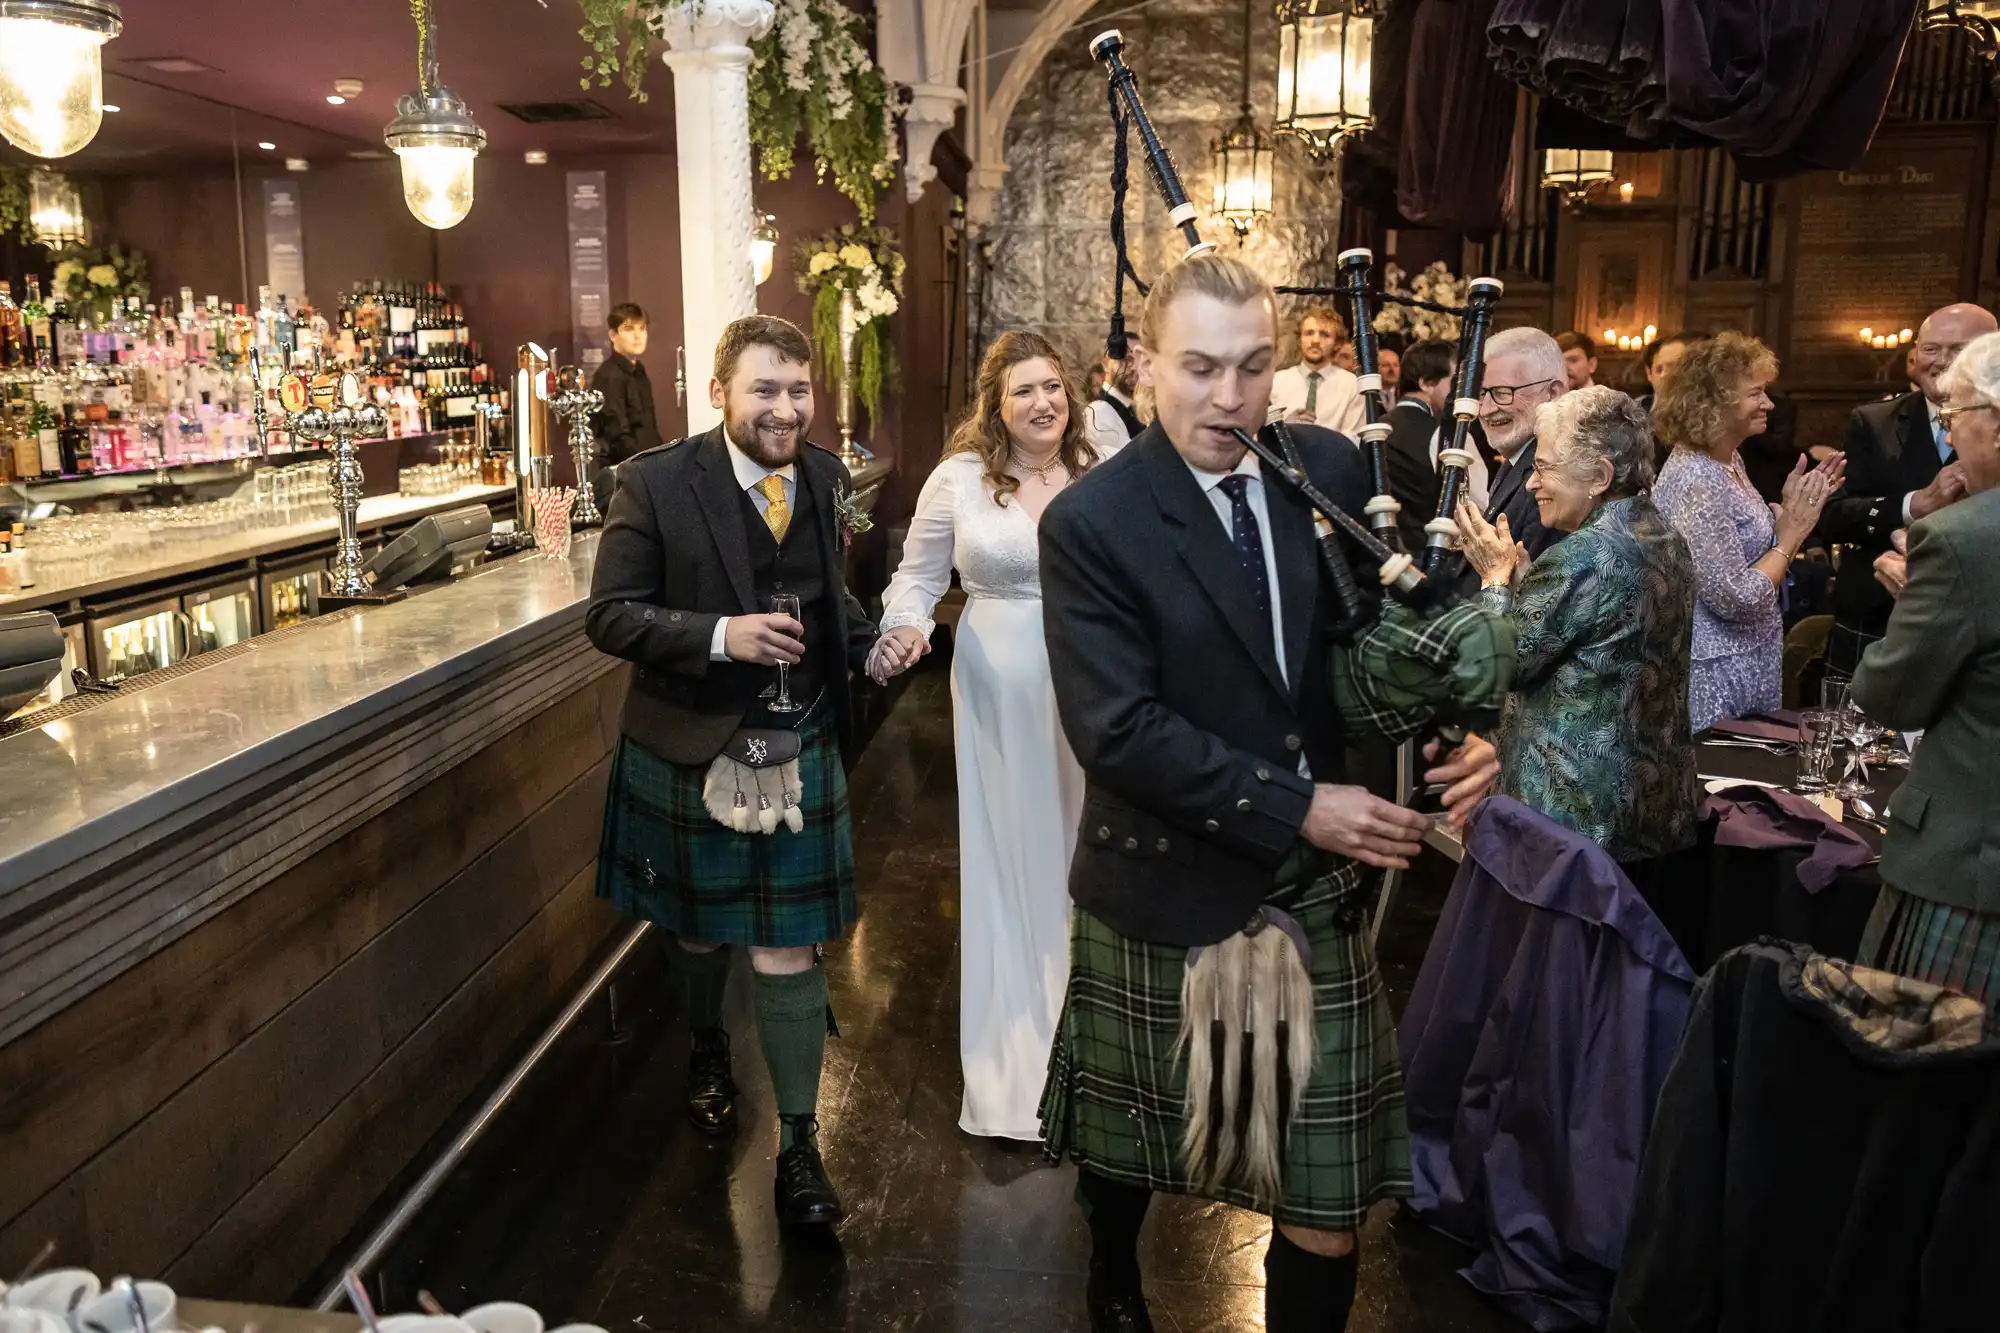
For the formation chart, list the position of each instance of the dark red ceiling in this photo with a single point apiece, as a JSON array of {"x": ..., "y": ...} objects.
[{"x": 270, "y": 66}]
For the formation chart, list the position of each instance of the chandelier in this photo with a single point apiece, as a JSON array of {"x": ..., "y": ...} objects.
[
  {"x": 1575, "y": 172},
  {"x": 1324, "y": 52},
  {"x": 52, "y": 72},
  {"x": 1979, "y": 20},
  {"x": 435, "y": 136},
  {"x": 1242, "y": 161}
]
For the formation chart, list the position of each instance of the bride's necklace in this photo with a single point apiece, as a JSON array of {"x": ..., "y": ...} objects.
[{"x": 1042, "y": 470}]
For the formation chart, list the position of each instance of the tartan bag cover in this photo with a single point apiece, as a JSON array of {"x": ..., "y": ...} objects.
[
  {"x": 1115, "y": 1094},
  {"x": 664, "y": 859}
]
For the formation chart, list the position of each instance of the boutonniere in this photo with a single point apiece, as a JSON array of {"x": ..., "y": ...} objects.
[{"x": 848, "y": 512}]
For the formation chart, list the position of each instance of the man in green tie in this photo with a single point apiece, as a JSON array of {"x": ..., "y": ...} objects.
[
  {"x": 727, "y": 820},
  {"x": 1315, "y": 391}
]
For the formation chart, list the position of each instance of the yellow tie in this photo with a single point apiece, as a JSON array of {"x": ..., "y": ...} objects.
[{"x": 777, "y": 514}]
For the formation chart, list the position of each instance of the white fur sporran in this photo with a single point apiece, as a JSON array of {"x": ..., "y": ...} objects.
[
  {"x": 1247, "y": 1029},
  {"x": 754, "y": 784}
]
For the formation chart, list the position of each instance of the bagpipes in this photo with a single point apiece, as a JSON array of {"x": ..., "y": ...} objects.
[
  {"x": 1379, "y": 544},
  {"x": 1246, "y": 1001}
]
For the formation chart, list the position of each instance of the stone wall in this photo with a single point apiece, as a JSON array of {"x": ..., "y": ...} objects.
[{"x": 1049, "y": 265}]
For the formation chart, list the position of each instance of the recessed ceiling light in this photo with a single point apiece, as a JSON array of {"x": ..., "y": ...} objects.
[
  {"x": 535, "y": 157},
  {"x": 349, "y": 87},
  {"x": 297, "y": 164},
  {"x": 335, "y": 99},
  {"x": 109, "y": 107},
  {"x": 176, "y": 65},
  {"x": 267, "y": 146}
]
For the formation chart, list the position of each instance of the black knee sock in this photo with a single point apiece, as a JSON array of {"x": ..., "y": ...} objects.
[
  {"x": 704, "y": 977},
  {"x": 1306, "y": 1292},
  {"x": 1114, "y": 1211}
]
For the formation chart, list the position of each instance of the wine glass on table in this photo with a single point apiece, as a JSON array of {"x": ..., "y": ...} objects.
[{"x": 785, "y": 604}]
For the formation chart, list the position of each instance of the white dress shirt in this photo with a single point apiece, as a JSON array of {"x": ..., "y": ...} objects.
[
  {"x": 1338, "y": 405},
  {"x": 750, "y": 475},
  {"x": 1106, "y": 429}
]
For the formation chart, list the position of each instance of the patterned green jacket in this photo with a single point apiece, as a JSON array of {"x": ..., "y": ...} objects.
[{"x": 1595, "y": 734}]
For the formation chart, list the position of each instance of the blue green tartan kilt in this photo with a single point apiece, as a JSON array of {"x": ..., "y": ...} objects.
[
  {"x": 664, "y": 859},
  {"x": 1115, "y": 1095},
  {"x": 1957, "y": 947}
]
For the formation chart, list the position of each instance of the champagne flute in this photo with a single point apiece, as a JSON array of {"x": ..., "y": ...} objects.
[{"x": 785, "y": 604}]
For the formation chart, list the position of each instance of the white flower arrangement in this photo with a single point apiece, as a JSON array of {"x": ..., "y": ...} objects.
[{"x": 1435, "y": 284}]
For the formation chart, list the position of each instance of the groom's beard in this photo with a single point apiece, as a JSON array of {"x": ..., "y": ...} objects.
[{"x": 769, "y": 442}]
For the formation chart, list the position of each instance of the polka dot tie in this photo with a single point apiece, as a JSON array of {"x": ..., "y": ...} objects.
[{"x": 1248, "y": 539}]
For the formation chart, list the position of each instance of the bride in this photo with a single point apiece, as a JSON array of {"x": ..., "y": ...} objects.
[{"x": 1019, "y": 788}]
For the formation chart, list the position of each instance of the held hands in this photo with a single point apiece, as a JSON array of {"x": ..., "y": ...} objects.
[
  {"x": 1470, "y": 770},
  {"x": 1947, "y": 488},
  {"x": 1348, "y": 821},
  {"x": 1490, "y": 548},
  {"x": 896, "y": 652},
  {"x": 765, "y": 639}
]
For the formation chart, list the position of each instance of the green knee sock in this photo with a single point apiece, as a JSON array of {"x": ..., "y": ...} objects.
[
  {"x": 704, "y": 977},
  {"x": 791, "y": 1016}
]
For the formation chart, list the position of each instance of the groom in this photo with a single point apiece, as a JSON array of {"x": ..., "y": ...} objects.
[
  {"x": 1187, "y": 613},
  {"x": 702, "y": 534}
]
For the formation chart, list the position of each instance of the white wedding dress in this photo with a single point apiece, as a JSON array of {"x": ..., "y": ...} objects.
[{"x": 1020, "y": 790}]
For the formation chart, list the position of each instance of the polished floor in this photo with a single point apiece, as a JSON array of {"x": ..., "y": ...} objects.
[{"x": 597, "y": 1202}]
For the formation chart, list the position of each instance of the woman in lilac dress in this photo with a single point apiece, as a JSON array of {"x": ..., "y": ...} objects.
[{"x": 1742, "y": 548}]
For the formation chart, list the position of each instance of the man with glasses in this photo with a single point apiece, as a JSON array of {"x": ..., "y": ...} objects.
[
  {"x": 1900, "y": 468},
  {"x": 1524, "y": 370}
]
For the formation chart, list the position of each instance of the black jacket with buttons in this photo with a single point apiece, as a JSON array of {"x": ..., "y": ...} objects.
[
  {"x": 1890, "y": 452},
  {"x": 674, "y": 558},
  {"x": 1170, "y": 693}
]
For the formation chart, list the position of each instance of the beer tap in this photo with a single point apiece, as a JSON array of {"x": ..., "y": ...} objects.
[{"x": 336, "y": 411}]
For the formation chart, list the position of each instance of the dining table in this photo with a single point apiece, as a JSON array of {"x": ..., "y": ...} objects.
[{"x": 1719, "y": 896}]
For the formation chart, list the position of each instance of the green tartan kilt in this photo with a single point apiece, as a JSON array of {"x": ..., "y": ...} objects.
[
  {"x": 664, "y": 859},
  {"x": 1115, "y": 1095}
]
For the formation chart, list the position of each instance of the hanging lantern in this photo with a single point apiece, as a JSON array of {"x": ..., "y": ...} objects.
[
  {"x": 1325, "y": 49},
  {"x": 1242, "y": 159},
  {"x": 52, "y": 72},
  {"x": 764, "y": 249},
  {"x": 1575, "y": 171},
  {"x": 55, "y": 210},
  {"x": 436, "y": 137}
]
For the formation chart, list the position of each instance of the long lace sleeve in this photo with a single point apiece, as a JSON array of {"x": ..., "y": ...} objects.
[{"x": 925, "y": 573}]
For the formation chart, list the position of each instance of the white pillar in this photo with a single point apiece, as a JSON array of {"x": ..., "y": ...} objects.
[
  {"x": 711, "y": 64},
  {"x": 933, "y": 109}
]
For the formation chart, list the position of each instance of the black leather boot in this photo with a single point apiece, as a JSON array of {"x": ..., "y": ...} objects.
[
  {"x": 711, "y": 1091},
  {"x": 1116, "y": 1309},
  {"x": 805, "y": 1197}
]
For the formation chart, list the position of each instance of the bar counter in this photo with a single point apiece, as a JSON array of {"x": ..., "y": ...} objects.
[{"x": 268, "y": 918}]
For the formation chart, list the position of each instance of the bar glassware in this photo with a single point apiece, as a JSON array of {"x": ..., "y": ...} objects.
[
  {"x": 1818, "y": 729},
  {"x": 785, "y": 604}
]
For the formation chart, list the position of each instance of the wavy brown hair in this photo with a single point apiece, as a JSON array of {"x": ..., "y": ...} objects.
[
  {"x": 984, "y": 433},
  {"x": 1707, "y": 379}
]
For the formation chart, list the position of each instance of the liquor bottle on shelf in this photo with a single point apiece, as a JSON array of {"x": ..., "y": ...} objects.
[
  {"x": 37, "y": 326},
  {"x": 11, "y": 341},
  {"x": 48, "y": 440}
]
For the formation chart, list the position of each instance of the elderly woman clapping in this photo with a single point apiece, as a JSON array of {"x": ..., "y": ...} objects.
[{"x": 1596, "y": 732}]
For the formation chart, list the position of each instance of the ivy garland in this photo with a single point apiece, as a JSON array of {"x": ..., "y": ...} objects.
[
  {"x": 14, "y": 203},
  {"x": 812, "y": 72},
  {"x": 618, "y": 40}
]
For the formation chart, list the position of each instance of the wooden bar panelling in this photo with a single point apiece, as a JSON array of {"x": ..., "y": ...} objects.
[
  {"x": 225, "y": 1111},
  {"x": 86, "y": 1076}
]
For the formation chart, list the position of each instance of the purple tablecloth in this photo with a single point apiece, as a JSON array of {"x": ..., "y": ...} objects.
[{"x": 1534, "y": 1047}]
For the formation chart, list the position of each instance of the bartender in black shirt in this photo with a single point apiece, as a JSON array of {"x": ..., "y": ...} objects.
[{"x": 626, "y": 424}]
